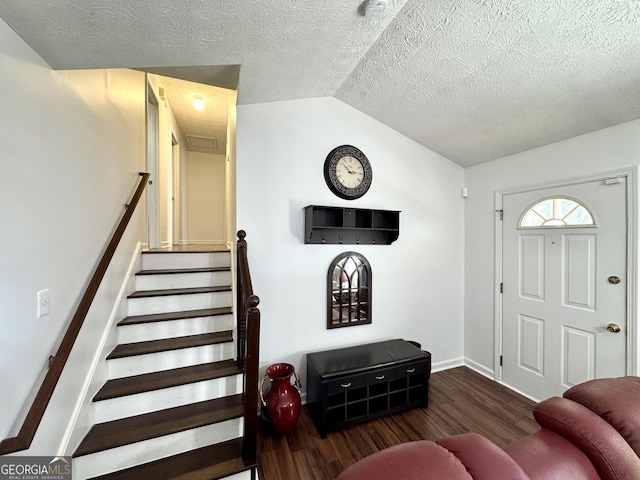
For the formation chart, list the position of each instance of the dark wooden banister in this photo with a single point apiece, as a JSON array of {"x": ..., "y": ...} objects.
[
  {"x": 248, "y": 350},
  {"x": 23, "y": 440}
]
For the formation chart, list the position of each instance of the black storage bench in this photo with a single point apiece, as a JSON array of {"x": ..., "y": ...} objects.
[{"x": 355, "y": 384}]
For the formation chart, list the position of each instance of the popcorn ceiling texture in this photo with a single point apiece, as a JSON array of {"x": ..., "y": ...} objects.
[
  {"x": 477, "y": 80},
  {"x": 472, "y": 80}
]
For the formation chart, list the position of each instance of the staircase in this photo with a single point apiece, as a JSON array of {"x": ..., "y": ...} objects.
[{"x": 173, "y": 404}]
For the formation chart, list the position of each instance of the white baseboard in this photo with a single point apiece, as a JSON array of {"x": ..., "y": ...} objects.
[
  {"x": 537, "y": 400},
  {"x": 481, "y": 369},
  {"x": 447, "y": 364}
]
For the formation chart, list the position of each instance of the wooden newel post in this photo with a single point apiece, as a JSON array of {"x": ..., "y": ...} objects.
[
  {"x": 243, "y": 289},
  {"x": 248, "y": 321},
  {"x": 251, "y": 381},
  {"x": 241, "y": 238}
]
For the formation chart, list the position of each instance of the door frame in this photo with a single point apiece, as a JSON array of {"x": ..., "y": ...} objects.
[
  {"x": 176, "y": 162},
  {"x": 152, "y": 120},
  {"x": 633, "y": 329}
]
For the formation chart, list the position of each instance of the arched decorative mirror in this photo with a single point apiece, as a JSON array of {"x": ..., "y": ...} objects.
[{"x": 349, "y": 291}]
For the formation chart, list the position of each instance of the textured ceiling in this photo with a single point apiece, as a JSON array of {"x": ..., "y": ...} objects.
[
  {"x": 473, "y": 80},
  {"x": 208, "y": 123}
]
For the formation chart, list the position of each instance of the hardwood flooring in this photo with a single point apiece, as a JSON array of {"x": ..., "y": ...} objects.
[{"x": 460, "y": 400}]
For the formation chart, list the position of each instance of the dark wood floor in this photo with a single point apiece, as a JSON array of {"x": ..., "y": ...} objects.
[{"x": 460, "y": 400}]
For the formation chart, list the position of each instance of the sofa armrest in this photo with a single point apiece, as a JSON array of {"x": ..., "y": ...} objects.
[
  {"x": 610, "y": 454},
  {"x": 421, "y": 460},
  {"x": 483, "y": 459},
  {"x": 617, "y": 400}
]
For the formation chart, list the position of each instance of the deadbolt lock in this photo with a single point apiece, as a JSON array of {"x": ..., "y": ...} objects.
[{"x": 614, "y": 280}]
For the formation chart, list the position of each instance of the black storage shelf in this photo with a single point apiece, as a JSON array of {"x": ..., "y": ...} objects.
[
  {"x": 353, "y": 226},
  {"x": 352, "y": 385}
]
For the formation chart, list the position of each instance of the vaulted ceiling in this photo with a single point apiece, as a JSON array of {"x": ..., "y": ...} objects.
[{"x": 473, "y": 80}]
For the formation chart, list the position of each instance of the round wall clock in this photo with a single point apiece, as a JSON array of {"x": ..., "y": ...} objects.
[{"x": 348, "y": 172}]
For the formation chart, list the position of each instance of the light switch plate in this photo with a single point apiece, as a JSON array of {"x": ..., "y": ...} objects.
[{"x": 44, "y": 302}]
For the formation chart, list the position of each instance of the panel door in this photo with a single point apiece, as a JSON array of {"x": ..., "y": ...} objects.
[{"x": 562, "y": 288}]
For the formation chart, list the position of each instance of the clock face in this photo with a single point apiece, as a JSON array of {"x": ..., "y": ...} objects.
[{"x": 347, "y": 172}]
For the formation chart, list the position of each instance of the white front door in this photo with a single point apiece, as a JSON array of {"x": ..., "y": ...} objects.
[{"x": 563, "y": 286}]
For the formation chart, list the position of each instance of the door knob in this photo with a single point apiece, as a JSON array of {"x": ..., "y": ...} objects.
[{"x": 613, "y": 328}]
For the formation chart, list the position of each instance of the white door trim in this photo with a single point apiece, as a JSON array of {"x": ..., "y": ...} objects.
[
  {"x": 633, "y": 329},
  {"x": 152, "y": 153}
]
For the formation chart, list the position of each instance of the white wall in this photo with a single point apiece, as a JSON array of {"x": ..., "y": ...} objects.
[
  {"x": 417, "y": 281},
  {"x": 605, "y": 150},
  {"x": 72, "y": 147},
  {"x": 205, "y": 197}
]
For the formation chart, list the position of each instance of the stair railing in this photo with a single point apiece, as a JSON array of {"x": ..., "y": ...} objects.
[
  {"x": 23, "y": 439},
  {"x": 248, "y": 321}
]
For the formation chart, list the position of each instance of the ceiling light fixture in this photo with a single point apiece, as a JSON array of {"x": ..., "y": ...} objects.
[
  {"x": 373, "y": 8},
  {"x": 198, "y": 103}
]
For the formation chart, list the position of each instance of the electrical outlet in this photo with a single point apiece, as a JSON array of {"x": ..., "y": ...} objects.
[{"x": 44, "y": 303}]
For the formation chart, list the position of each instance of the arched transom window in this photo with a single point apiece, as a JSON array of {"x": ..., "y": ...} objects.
[{"x": 554, "y": 212}]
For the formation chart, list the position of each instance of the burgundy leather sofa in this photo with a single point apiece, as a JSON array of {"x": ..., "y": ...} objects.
[{"x": 592, "y": 432}]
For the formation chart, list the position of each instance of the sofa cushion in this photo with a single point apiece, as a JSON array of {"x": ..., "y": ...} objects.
[
  {"x": 610, "y": 454},
  {"x": 617, "y": 400},
  {"x": 419, "y": 460},
  {"x": 545, "y": 455},
  {"x": 482, "y": 458}
]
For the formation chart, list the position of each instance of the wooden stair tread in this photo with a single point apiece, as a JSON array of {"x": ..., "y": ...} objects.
[
  {"x": 170, "y": 271},
  {"x": 165, "y": 344},
  {"x": 125, "y": 431},
  {"x": 185, "y": 314},
  {"x": 206, "y": 463},
  {"x": 147, "y": 382},
  {"x": 178, "y": 291}
]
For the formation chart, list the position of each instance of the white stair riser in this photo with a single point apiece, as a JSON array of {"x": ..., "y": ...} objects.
[
  {"x": 162, "y": 261},
  {"x": 130, "y": 405},
  {"x": 128, "y": 456},
  {"x": 154, "y": 362},
  {"x": 246, "y": 475},
  {"x": 178, "y": 303},
  {"x": 174, "y": 328},
  {"x": 182, "y": 280}
]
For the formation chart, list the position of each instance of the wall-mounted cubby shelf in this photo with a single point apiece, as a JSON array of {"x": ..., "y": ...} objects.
[{"x": 342, "y": 225}]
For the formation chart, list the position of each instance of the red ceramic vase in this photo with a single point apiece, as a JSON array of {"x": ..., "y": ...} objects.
[{"x": 281, "y": 404}]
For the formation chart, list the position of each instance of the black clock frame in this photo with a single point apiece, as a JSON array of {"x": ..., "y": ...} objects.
[{"x": 331, "y": 177}]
